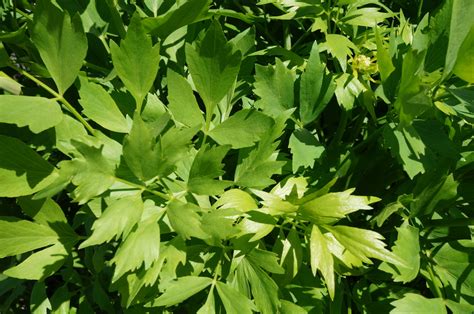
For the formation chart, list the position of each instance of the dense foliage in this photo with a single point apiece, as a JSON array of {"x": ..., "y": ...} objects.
[{"x": 236, "y": 156}]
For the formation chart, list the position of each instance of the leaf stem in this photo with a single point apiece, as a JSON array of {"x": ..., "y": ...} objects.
[
  {"x": 57, "y": 96},
  {"x": 144, "y": 188},
  {"x": 435, "y": 286}
]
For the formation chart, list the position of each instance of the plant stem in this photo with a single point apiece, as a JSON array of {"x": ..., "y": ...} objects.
[
  {"x": 435, "y": 286},
  {"x": 57, "y": 96},
  {"x": 144, "y": 188}
]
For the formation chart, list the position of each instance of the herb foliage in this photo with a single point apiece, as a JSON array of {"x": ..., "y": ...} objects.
[{"x": 236, "y": 156}]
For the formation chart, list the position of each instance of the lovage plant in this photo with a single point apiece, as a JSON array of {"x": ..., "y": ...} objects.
[{"x": 203, "y": 156}]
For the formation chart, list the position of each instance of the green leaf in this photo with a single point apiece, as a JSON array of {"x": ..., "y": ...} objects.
[
  {"x": 101, "y": 108},
  {"x": 412, "y": 99},
  {"x": 384, "y": 61},
  {"x": 40, "y": 265},
  {"x": 182, "y": 103},
  {"x": 116, "y": 221},
  {"x": 185, "y": 220},
  {"x": 258, "y": 165},
  {"x": 44, "y": 211},
  {"x": 288, "y": 307},
  {"x": 264, "y": 289},
  {"x": 454, "y": 266},
  {"x": 306, "y": 149},
  {"x": 214, "y": 66},
  {"x": 465, "y": 59},
  {"x": 61, "y": 42},
  {"x": 367, "y": 16},
  {"x": 331, "y": 207},
  {"x": 407, "y": 148},
  {"x": 237, "y": 199},
  {"x": 364, "y": 244},
  {"x": 182, "y": 289},
  {"x": 274, "y": 86},
  {"x": 143, "y": 243},
  {"x": 234, "y": 301},
  {"x": 316, "y": 88},
  {"x": 291, "y": 252},
  {"x": 37, "y": 113},
  {"x": 94, "y": 174},
  {"x": 136, "y": 61},
  {"x": 21, "y": 236},
  {"x": 321, "y": 259},
  {"x": 415, "y": 303},
  {"x": 39, "y": 302},
  {"x": 22, "y": 170},
  {"x": 407, "y": 248},
  {"x": 187, "y": 12},
  {"x": 149, "y": 157},
  {"x": 339, "y": 47},
  {"x": 206, "y": 167},
  {"x": 242, "y": 129},
  {"x": 460, "y": 25}
]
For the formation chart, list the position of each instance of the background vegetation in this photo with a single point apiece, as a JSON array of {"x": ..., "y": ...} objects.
[{"x": 270, "y": 156}]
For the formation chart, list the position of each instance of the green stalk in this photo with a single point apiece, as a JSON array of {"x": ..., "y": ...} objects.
[
  {"x": 144, "y": 188},
  {"x": 57, "y": 96}
]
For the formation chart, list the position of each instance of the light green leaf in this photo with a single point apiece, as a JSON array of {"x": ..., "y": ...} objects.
[
  {"x": 321, "y": 259},
  {"x": 143, "y": 243},
  {"x": 21, "y": 236},
  {"x": 182, "y": 289},
  {"x": 234, "y": 301},
  {"x": 37, "y": 113},
  {"x": 40, "y": 265},
  {"x": 210, "y": 306},
  {"x": 406, "y": 147},
  {"x": 94, "y": 174},
  {"x": 455, "y": 267},
  {"x": 367, "y": 16},
  {"x": 185, "y": 220},
  {"x": 238, "y": 199},
  {"x": 274, "y": 86},
  {"x": 331, "y": 207},
  {"x": 416, "y": 304},
  {"x": 460, "y": 25},
  {"x": 100, "y": 107},
  {"x": 8, "y": 84},
  {"x": 316, "y": 88},
  {"x": 61, "y": 42},
  {"x": 288, "y": 307},
  {"x": 187, "y": 12},
  {"x": 213, "y": 65},
  {"x": 290, "y": 250},
  {"x": 465, "y": 60},
  {"x": 39, "y": 302},
  {"x": 206, "y": 167},
  {"x": 260, "y": 164},
  {"x": 407, "y": 248},
  {"x": 136, "y": 61},
  {"x": 264, "y": 289},
  {"x": 242, "y": 129},
  {"x": 384, "y": 61},
  {"x": 43, "y": 211},
  {"x": 339, "y": 47},
  {"x": 364, "y": 244},
  {"x": 306, "y": 149},
  {"x": 266, "y": 260},
  {"x": 116, "y": 221},
  {"x": 147, "y": 156},
  {"x": 182, "y": 103},
  {"x": 22, "y": 170}
]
